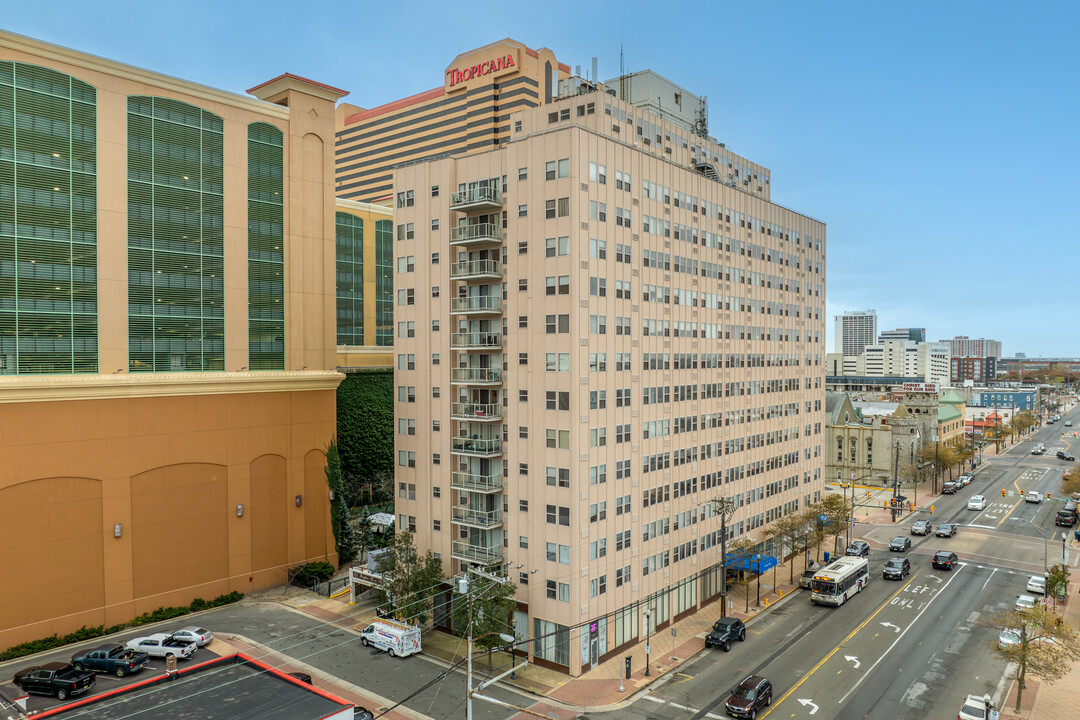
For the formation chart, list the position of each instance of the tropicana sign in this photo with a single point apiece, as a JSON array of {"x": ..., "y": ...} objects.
[{"x": 455, "y": 76}]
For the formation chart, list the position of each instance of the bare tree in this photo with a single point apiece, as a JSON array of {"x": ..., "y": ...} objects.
[
  {"x": 1038, "y": 641},
  {"x": 792, "y": 532}
]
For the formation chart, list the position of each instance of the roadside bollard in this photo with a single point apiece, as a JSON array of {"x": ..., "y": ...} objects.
[{"x": 766, "y": 602}]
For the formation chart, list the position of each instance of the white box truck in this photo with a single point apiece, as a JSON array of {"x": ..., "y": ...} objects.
[{"x": 398, "y": 639}]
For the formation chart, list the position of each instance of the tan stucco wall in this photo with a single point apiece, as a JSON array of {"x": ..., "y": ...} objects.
[{"x": 171, "y": 471}]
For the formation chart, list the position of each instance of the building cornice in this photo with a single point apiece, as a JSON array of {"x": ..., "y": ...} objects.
[
  {"x": 60, "y": 54},
  {"x": 66, "y": 388}
]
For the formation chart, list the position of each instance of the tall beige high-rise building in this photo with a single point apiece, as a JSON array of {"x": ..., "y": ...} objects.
[{"x": 599, "y": 327}]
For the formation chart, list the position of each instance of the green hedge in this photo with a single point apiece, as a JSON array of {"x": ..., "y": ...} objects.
[
  {"x": 88, "y": 633},
  {"x": 365, "y": 424}
]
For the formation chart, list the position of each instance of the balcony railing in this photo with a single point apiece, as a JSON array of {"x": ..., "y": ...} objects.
[
  {"x": 477, "y": 198},
  {"x": 475, "y": 553},
  {"x": 476, "y": 269},
  {"x": 476, "y": 305},
  {"x": 477, "y": 447},
  {"x": 475, "y": 411},
  {"x": 476, "y": 483},
  {"x": 476, "y": 376},
  {"x": 476, "y": 518},
  {"x": 476, "y": 340},
  {"x": 476, "y": 234}
]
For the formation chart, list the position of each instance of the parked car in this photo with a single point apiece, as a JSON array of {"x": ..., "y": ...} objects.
[
  {"x": 302, "y": 677},
  {"x": 1039, "y": 449},
  {"x": 162, "y": 645},
  {"x": 1008, "y": 637},
  {"x": 115, "y": 659},
  {"x": 748, "y": 697},
  {"x": 900, "y": 543},
  {"x": 1025, "y": 603},
  {"x": 1068, "y": 423},
  {"x": 858, "y": 548},
  {"x": 1033, "y": 496},
  {"x": 950, "y": 487},
  {"x": 362, "y": 713},
  {"x": 944, "y": 560},
  {"x": 965, "y": 479},
  {"x": 974, "y": 708},
  {"x": 947, "y": 529},
  {"x": 1067, "y": 515},
  {"x": 397, "y": 639},
  {"x": 921, "y": 527},
  {"x": 1037, "y": 584},
  {"x": 55, "y": 678},
  {"x": 1062, "y": 455},
  {"x": 896, "y": 568},
  {"x": 976, "y": 502},
  {"x": 199, "y": 636},
  {"x": 724, "y": 631},
  {"x": 808, "y": 575}
]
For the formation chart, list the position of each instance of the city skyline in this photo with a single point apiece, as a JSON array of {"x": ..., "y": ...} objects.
[{"x": 908, "y": 156}]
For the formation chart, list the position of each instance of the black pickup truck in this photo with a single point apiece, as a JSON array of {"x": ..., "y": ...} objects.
[
  {"x": 1067, "y": 516},
  {"x": 59, "y": 679},
  {"x": 115, "y": 659}
]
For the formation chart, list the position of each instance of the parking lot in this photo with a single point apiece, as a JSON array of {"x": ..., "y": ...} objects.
[{"x": 105, "y": 683}]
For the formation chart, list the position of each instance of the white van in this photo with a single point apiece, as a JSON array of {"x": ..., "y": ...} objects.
[{"x": 398, "y": 639}]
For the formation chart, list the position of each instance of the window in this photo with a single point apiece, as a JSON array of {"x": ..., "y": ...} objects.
[
  {"x": 598, "y": 437},
  {"x": 435, "y": 392},
  {"x": 560, "y": 207},
  {"x": 434, "y": 327},
  {"x": 523, "y": 284},
  {"x": 556, "y": 324},
  {"x": 436, "y": 491},
  {"x": 434, "y": 291},
  {"x": 523, "y": 173},
  {"x": 436, "y": 525},
  {"x": 597, "y": 248},
  {"x": 434, "y": 223},
  {"x": 557, "y": 168},
  {"x": 556, "y": 246},
  {"x": 597, "y": 286},
  {"x": 406, "y": 264},
  {"x": 405, "y": 199},
  {"x": 434, "y": 191},
  {"x": 523, "y": 542},
  {"x": 557, "y": 400},
  {"x": 523, "y": 321},
  {"x": 559, "y": 284},
  {"x": 407, "y": 491},
  {"x": 523, "y": 432},
  {"x": 597, "y": 173},
  {"x": 523, "y": 506},
  {"x": 598, "y": 586},
  {"x": 523, "y": 211},
  {"x": 523, "y": 396},
  {"x": 434, "y": 258},
  {"x": 523, "y": 358},
  {"x": 598, "y": 511},
  {"x": 523, "y": 247},
  {"x": 434, "y": 358},
  {"x": 523, "y": 469},
  {"x": 405, "y": 231},
  {"x": 598, "y": 549},
  {"x": 597, "y": 211}
]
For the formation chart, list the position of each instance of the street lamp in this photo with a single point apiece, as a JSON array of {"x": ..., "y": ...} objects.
[{"x": 647, "y": 643}]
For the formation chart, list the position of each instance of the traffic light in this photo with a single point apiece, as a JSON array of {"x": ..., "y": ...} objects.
[
  {"x": 1048, "y": 496},
  {"x": 1002, "y": 492}
]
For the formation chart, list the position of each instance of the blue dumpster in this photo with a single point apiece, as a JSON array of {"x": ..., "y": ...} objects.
[
  {"x": 827, "y": 552},
  {"x": 1076, "y": 534}
]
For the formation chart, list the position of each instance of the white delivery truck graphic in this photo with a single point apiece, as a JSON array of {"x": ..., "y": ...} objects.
[{"x": 398, "y": 639}]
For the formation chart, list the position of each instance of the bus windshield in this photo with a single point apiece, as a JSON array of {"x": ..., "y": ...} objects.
[{"x": 825, "y": 587}]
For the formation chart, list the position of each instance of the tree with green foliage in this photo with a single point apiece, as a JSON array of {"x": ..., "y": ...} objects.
[
  {"x": 410, "y": 580},
  {"x": 493, "y": 605},
  {"x": 344, "y": 538}
]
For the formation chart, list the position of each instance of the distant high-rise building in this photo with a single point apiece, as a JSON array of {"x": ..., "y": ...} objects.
[
  {"x": 855, "y": 330},
  {"x": 913, "y": 334},
  {"x": 963, "y": 346}
]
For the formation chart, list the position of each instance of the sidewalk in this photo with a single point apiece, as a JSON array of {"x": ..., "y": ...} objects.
[{"x": 598, "y": 688}]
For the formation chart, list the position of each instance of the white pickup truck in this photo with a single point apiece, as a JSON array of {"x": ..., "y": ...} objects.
[{"x": 163, "y": 645}]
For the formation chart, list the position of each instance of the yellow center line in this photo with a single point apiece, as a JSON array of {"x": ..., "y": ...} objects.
[{"x": 840, "y": 645}]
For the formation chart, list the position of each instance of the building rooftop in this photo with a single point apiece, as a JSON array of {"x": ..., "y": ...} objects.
[{"x": 222, "y": 689}]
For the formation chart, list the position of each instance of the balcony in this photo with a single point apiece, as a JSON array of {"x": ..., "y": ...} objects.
[
  {"x": 488, "y": 519},
  {"x": 476, "y": 270},
  {"x": 476, "y": 341},
  {"x": 476, "y": 305},
  {"x": 476, "y": 235},
  {"x": 476, "y": 483},
  {"x": 475, "y": 376},
  {"x": 475, "y": 553},
  {"x": 477, "y": 447},
  {"x": 482, "y": 412},
  {"x": 476, "y": 199}
]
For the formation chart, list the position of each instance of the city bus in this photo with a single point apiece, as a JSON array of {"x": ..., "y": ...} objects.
[{"x": 838, "y": 581}]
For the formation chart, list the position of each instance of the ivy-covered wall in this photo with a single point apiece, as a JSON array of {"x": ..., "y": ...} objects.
[{"x": 365, "y": 425}]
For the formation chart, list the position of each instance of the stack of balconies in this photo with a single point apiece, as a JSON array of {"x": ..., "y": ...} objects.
[{"x": 477, "y": 411}]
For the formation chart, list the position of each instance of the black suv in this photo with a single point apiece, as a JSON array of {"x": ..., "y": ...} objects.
[
  {"x": 946, "y": 529},
  {"x": 896, "y": 568},
  {"x": 1062, "y": 455},
  {"x": 900, "y": 543},
  {"x": 724, "y": 631},
  {"x": 858, "y": 548},
  {"x": 749, "y": 696},
  {"x": 944, "y": 560}
]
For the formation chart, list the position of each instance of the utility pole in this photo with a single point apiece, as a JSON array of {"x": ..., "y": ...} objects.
[
  {"x": 465, "y": 587},
  {"x": 726, "y": 507},
  {"x": 895, "y": 480}
]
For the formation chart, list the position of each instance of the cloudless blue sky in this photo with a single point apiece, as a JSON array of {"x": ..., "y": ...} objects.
[{"x": 937, "y": 140}]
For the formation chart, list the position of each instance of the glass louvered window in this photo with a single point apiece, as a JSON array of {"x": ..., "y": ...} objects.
[
  {"x": 176, "y": 304},
  {"x": 384, "y": 282},
  {"x": 48, "y": 222},
  {"x": 266, "y": 247},
  {"x": 350, "y": 279}
]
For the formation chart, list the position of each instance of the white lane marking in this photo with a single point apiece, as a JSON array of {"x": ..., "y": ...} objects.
[
  {"x": 656, "y": 700},
  {"x": 852, "y": 658},
  {"x": 869, "y": 670},
  {"x": 677, "y": 705},
  {"x": 804, "y": 703},
  {"x": 714, "y": 716},
  {"x": 984, "y": 527}
]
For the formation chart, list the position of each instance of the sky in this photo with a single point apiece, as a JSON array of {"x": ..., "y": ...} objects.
[{"x": 934, "y": 139}]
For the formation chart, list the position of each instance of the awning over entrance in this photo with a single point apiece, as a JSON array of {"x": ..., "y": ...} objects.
[{"x": 756, "y": 563}]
